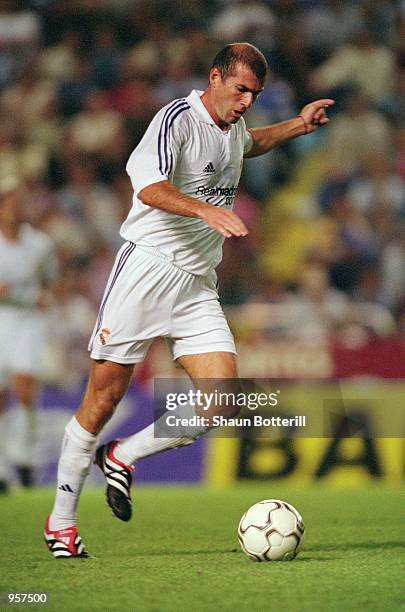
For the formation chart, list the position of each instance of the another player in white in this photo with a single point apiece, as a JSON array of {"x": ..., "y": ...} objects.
[
  {"x": 27, "y": 267},
  {"x": 184, "y": 173}
]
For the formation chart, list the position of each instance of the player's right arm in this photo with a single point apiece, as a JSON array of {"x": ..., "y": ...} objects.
[
  {"x": 152, "y": 164},
  {"x": 165, "y": 196}
]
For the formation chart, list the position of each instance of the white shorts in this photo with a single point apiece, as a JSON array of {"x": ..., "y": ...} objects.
[
  {"x": 148, "y": 297},
  {"x": 23, "y": 337}
]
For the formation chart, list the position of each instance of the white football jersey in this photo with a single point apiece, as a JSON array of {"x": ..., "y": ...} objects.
[
  {"x": 24, "y": 265},
  {"x": 183, "y": 145}
]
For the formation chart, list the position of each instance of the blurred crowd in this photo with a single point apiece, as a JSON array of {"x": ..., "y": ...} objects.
[{"x": 80, "y": 81}]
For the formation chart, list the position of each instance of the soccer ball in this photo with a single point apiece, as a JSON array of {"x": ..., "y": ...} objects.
[{"x": 271, "y": 530}]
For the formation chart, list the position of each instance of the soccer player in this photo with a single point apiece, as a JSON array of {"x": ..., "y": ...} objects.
[
  {"x": 184, "y": 173},
  {"x": 27, "y": 268}
]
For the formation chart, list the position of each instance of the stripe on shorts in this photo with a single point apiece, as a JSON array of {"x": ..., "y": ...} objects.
[
  {"x": 165, "y": 164},
  {"x": 120, "y": 266}
]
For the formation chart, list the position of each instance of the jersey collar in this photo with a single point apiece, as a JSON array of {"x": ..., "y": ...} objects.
[{"x": 198, "y": 107}]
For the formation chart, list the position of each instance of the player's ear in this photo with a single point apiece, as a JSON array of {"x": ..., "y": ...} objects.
[{"x": 214, "y": 77}]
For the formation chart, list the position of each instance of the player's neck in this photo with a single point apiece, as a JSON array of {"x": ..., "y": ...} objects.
[{"x": 206, "y": 100}]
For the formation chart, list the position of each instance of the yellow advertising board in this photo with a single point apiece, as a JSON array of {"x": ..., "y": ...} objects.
[{"x": 376, "y": 452}]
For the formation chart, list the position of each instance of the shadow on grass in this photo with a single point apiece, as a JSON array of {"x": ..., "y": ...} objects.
[
  {"x": 224, "y": 551},
  {"x": 310, "y": 554},
  {"x": 306, "y": 558},
  {"x": 173, "y": 553},
  {"x": 357, "y": 545}
]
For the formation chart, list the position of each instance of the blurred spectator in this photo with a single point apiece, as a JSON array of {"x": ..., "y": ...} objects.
[
  {"x": 10, "y": 151},
  {"x": 20, "y": 31},
  {"x": 187, "y": 14},
  {"x": 91, "y": 203},
  {"x": 316, "y": 308},
  {"x": 328, "y": 25},
  {"x": 354, "y": 134},
  {"x": 128, "y": 99},
  {"x": 239, "y": 266},
  {"x": 363, "y": 63},
  {"x": 274, "y": 104},
  {"x": 177, "y": 81},
  {"x": 146, "y": 56},
  {"x": 377, "y": 186},
  {"x": 287, "y": 13},
  {"x": 38, "y": 200},
  {"x": 250, "y": 20},
  {"x": 398, "y": 39},
  {"x": 73, "y": 89},
  {"x": 289, "y": 61},
  {"x": 71, "y": 237},
  {"x": 98, "y": 129},
  {"x": 47, "y": 130},
  {"x": 28, "y": 98},
  {"x": 66, "y": 355},
  {"x": 399, "y": 162},
  {"x": 105, "y": 57},
  {"x": 393, "y": 104},
  {"x": 393, "y": 270},
  {"x": 201, "y": 49},
  {"x": 369, "y": 286},
  {"x": 58, "y": 62},
  {"x": 379, "y": 19},
  {"x": 356, "y": 244},
  {"x": 96, "y": 272}
]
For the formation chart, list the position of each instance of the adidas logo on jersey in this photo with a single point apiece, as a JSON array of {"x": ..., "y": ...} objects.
[
  {"x": 209, "y": 168},
  {"x": 66, "y": 488}
]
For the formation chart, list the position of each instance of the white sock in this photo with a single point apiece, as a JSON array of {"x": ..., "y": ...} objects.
[
  {"x": 153, "y": 439},
  {"x": 3, "y": 447},
  {"x": 23, "y": 426},
  {"x": 74, "y": 465}
]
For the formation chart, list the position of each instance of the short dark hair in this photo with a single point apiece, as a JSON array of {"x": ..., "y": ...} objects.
[{"x": 240, "y": 53}]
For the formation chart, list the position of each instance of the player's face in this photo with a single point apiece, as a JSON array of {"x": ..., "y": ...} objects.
[{"x": 233, "y": 95}]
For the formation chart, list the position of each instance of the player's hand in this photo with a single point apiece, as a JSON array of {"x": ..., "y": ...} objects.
[
  {"x": 223, "y": 221},
  {"x": 314, "y": 114}
]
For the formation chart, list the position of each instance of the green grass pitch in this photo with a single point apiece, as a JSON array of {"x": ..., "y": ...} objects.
[{"x": 180, "y": 552}]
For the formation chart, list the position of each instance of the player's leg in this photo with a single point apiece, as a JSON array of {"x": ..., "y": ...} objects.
[
  {"x": 203, "y": 344},
  {"x": 26, "y": 340},
  {"x": 202, "y": 369},
  {"x": 214, "y": 372},
  {"x": 3, "y": 442},
  {"x": 24, "y": 388},
  {"x": 120, "y": 339},
  {"x": 117, "y": 457},
  {"x": 107, "y": 384}
]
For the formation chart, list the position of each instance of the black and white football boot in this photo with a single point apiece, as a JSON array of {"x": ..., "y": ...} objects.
[{"x": 119, "y": 479}]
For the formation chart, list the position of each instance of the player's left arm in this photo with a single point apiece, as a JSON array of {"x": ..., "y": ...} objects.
[{"x": 311, "y": 118}]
